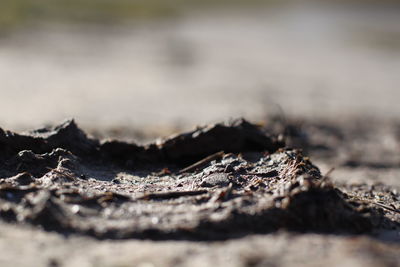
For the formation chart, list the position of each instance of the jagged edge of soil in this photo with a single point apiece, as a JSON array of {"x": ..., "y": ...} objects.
[{"x": 235, "y": 136}]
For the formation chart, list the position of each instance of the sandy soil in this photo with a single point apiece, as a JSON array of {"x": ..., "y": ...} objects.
[
  {"x": 27, "y": 247},
  {"x": 360, "y": 176},
  {"x": 316, "y": 64}
]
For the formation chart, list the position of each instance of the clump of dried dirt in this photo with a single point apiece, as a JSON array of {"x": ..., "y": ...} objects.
[{"x": 216, "y": 182}]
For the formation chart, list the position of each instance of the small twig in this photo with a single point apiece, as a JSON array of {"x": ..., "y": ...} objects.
[
  {"x": 329, "y": 172},
  {"x": 173, "y": 194},
  {"x": 202, "y": 162},
  {"x": 385, "y": 206},
  {"x": 367, "y": 201},
  {"x": 269, "y": 174}
]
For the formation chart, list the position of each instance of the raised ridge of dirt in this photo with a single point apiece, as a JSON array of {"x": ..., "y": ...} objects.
[{"x": 216, "y": 182}]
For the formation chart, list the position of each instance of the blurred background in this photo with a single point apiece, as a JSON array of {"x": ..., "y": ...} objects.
[{"x": 159, "y": 65}]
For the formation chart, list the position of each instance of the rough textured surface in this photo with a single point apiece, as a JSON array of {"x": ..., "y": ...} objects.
[
  {"x": 144, "y": 81},
  {"x": 62, "y": 180},
  {"x": 219, "y": 182}
]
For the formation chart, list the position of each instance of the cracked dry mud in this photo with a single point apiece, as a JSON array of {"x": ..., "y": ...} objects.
[{"x": 216, "y": 182}]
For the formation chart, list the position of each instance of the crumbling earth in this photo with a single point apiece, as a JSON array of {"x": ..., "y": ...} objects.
[
  {"x": 218, "y": 182},
  {"x": 240, "y": 181}
]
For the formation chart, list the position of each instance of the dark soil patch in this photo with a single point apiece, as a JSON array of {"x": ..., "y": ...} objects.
[{"x": 216, "y": 182}]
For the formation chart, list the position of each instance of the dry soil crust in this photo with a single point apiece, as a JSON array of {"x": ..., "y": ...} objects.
[{"x": 216, "y": 182}]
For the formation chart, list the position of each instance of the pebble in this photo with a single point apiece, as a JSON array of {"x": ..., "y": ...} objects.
[{"x": 215, "y": 179}]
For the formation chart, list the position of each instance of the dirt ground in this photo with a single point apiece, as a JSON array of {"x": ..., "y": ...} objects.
[
  {"x": 338, "y": 90},
  {"x": 84, "y": 203}
]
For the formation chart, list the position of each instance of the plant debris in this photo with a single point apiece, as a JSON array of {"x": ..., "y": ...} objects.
[{"x": 216, "y": 182}]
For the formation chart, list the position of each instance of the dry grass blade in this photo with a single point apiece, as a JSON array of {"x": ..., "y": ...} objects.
[
  {"x": 174, "y": 194},
  {"x": 202, "y": 162},
  {"x": 385, "y": 206}
]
